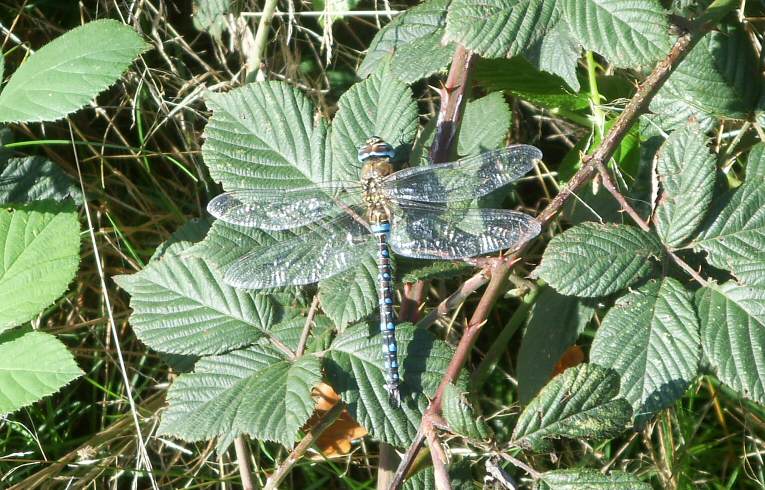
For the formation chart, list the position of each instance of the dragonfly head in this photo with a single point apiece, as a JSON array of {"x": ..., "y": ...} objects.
[{"x": 375, "y": 147}]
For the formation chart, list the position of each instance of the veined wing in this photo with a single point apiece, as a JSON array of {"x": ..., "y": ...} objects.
[
  {"x": 328, "y": 247},
  {"x": 428, "y": 231},
  {"x": 282, "y": 209},
  {"x": 463, "y": 179}
]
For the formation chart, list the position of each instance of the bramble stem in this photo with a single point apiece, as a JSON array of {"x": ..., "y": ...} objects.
[{"x": 243, "y": 463}]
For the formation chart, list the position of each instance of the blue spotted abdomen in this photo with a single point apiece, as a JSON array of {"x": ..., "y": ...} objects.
[{"x": 387, "y": 316}]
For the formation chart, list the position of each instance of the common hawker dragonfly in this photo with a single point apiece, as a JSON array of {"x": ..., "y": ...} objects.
[{"x": 407, "y": 211}]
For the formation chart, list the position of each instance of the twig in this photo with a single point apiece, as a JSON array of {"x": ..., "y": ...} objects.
[
  {"x": 254, "y": 62},
  {"x": 307, "y": 327},
  {"x": 637, "y": 105},
  {"x": 439, "y": 459},
  {"x": 284, "y": 468},
  {"x": 243, "y": 461},
  {"x": 410, "y": 303}
]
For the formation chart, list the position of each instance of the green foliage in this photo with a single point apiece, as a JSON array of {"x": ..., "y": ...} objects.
[
  {"x": 499, "y": 28},
  {"x": 32, "y": 365},
  {"x": 596, "y": 260},
  {"x": 556, "y": 322},
  {"x": 582, "y": 402},
  {"x": 485, "y": 125},
  {"x": 685, "y": 171},
  {"x": 255, "y": 391},
  {"x": 651, "y": 338},
  {"x": 67, "y": 73},
  {"x": 733, "y": 335},
  {"x": 716, "y": 79},
  {"x": 629, "y": 32},
  {"x": 34, "y": 178},
  {"x": 518, "y": 77},
  {"x": 411, "y": 44},
  {"x": 734, "y": 235},
  {"x": 582, "y": 478},
  {"x": 460, "y": 415},
  {"x": 41, "y": 244}
]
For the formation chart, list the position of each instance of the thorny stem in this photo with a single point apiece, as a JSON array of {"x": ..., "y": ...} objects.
[
  {"x": 307, "y": 327},
  {"x": 323, "y": 424},
  {"x": 637, "y": 105},
  {"x": 608, "y": 183}
]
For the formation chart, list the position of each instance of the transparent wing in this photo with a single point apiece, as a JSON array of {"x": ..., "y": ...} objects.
[
  {"x": 427, "y": 231},
  {"x": 326, "y": 248},
  {"x": 463, "y": 179},
  {"x": 282, "y": 209}
]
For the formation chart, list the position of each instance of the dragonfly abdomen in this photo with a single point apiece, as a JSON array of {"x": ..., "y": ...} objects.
[{"x": 381, "y": 231}]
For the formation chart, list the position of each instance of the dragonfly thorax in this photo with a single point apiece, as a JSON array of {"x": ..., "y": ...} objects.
[{"x": 372, "y": 176}]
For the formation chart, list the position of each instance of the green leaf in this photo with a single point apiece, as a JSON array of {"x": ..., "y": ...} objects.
[
  {"x": 27, "y": 179},
  {"x": 628, "y": 33},
  {"x": 484, "y": 125},
  {"x": 734, "y": 234},
  {"x": 32, "y": 365},
  {"x": 717, "y": 79},
  {"x": 518, "y": 77},
  {"x": 210, "y": 16},
  {"x": 557, "y": 52},
  {"x": 460, "y": 416},
  {"x": 254, "y": 391},
  {"x": 411, "y": 44},
  {"x": 555, "y": 323},
  {"x": 582, "y": 402},
  {"x": 587, "y": 479},
  {"x": 595, "y": 259},
  {"x": 499, "y": 28},
  {"x": 181, "y": 306},
  {"x": 67, "y": 73},
  {"x": 460, "y": 478},
  {"x": 352, "y": 295},
  {"x": 685, "y": 170},
  {"x": 355, "y": 370},
  {"x": 651, "y": 338},
  {"x": 733, "y": 335},
  {"x": 192, "y": 232},
  {"x": 410, "y": 270},
  {"x": 755, "y": 163},
  {"x": 41, "y": 251}
]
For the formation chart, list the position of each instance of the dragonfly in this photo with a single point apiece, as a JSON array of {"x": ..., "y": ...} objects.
[{"x": 409, "y": 212}]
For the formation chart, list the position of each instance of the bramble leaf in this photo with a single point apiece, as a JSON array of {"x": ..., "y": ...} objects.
[
  {"x": 460, "y": 415},
  {"x": 685, "y": 170},
  {"x": 595, "y": 259},
  {"x": 485, "y": 125},
  {"x": 734, "y": 234},
  {"x": 733, "y": 335},
  {"x": 499, "y": 28},
  {"x": 651, "y": 338},
  {"x": 35, "y": 178},
  {"x": 717, "y": 79},
  {"x": 256, "y": 391},
  {"x": 181, "y": 306},
  {"x": 580, "y": 478},
  {"x": 628, "y": 33},
  {"x": 411, "y": 43},
  {"x": 32, "y": 365},
  {"x": 582, "y": 402},
  {"x": 67, "y": 73},
  {"x": 41, "y": 252}
]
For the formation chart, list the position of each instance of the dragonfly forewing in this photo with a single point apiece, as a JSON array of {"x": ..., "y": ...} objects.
[
  {"x": 282, "y": 209},
  {"x": 322, "y": 250},
  {"x": 463, "y": 179},
  {"x": 436, "y": 232}
]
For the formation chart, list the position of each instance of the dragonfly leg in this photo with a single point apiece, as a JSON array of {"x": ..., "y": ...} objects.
[{"x": 387, "y": 316}]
